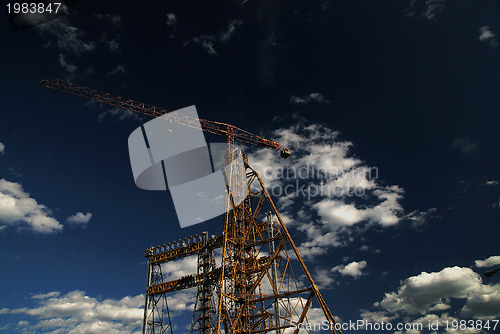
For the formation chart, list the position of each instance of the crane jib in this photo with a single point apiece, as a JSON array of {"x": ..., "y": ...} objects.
[{"x": 231, "y": 132}]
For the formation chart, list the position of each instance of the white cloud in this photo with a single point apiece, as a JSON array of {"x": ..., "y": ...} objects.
[
  {"x": 420, "y": 293},
  {"x": 2, "y": 148},
  {"x": 489, "y": 262},
  {"x": 76, "y": 312},
  {"x": 337, "y": 192},
  {"x": 353, "y": 269},
  {"x": 208, "y": 41},
  {"x": 79, "y": 218},
  {"x": 430, "y": 295},
  {"x": 313, "y": 97},
  {"x": 487, "y": 36},
  {"x": 17, "y": 208}
]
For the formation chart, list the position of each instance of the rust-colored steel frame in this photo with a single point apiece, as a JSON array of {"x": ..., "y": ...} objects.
[{"x": 255, "y": 288}]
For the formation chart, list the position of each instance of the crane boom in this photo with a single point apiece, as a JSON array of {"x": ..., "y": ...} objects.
[{"x": 229, "y": 131}]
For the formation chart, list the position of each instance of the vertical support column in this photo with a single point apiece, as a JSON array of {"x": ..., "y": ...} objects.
[{"x": 156, "y": 312}]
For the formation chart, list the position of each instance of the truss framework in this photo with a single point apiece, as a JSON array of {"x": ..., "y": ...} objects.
[{"x": 258, "y": 286}]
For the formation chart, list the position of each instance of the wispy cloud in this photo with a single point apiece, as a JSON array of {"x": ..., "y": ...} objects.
[
  {"x": 60, "y": 33},
  {"x": 418, "y": 218},
  {"x": 18, "y": 209},
  {"x": 2, "y": 148},
  {"x": 70, "y": 68},
  {"x": 489, "y": 262},
  {"x": 208, "y": 42},
  {"x": 72, "y": 43},
  {"x": 312, "y": 97},
  {"x": 433, "y": 7},
  {"x": 487, "y": 36},
  {"x": 116, "y": 20},
  {"x": 464, "y": 146},
  {"x": 491, "y": 183},
  {"x": 427, "y": 10},
  {"x": 119, "y": 69},
  {"x": 171, "y": 20},
  {"x": 121, "y": 114}
]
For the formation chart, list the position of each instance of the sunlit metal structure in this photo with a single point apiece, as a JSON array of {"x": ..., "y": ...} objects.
[{"x": 261, "y": 283}]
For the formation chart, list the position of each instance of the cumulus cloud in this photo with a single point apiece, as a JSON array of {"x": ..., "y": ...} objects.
[
  {"x": 419, "y": 294},
  {"x": 75, "y": 312},
  {"x": 175, "y": 269},
  {"x": 489, "y": 262},
  {"x": 487, "y": 36},
  {"x": 313, "y": 97},
  {"x": 336, "y": 191},
  {"x": 430, "y": 296},
  {"x": 353, "y": 269},
  {"x": 79, "y": 218},
  {"x": 18, "y": 209},
  {"x": 2, "y": 148},
  {"x": 208, "y": 42}
]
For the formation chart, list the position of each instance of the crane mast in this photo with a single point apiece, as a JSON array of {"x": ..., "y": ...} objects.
[{"x": 231, "y": 132}]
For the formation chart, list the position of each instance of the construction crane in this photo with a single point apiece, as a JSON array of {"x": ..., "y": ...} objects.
[
  {"x": 231, "y": 132},
  {"x": 257, "y": 287}
]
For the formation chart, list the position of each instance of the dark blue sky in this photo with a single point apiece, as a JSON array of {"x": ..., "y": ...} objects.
[{"x": 407, "y": 87}]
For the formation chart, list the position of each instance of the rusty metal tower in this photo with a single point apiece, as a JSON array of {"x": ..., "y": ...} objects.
[{"x": 261, "y": 283}]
